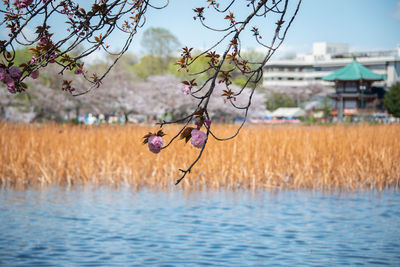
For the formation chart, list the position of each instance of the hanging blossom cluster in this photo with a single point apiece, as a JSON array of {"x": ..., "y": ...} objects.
[
  {"x": 24, "y": 3},
  {"x": 87, "y": 28},
  {"x": 11, "y": 78},
  {"x": 197, "y": 138},
  {"x": 223, "y": 67}
]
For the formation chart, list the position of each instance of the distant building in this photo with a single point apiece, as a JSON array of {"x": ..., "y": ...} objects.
[
  {"x": 288, "y": 113},
  {"x": 308, "y": 69}
]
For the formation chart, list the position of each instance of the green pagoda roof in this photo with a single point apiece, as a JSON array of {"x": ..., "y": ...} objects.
[{"x": 354, "y": 72}]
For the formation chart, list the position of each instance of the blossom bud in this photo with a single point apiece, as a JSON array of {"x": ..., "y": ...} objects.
[
  {"x": 11, "y": 88},
  {"x": 2, "y": 75},
  {"x": 155, "y": 143},
  {"x": 35, "y": 74},
  {"x": 10, "y": 83},
  {"x": 186, "y": 89},
  {"x": 78, "y": 71},
  {"x": 198, "y": 125},
  {"x": 43, "y": 41}
]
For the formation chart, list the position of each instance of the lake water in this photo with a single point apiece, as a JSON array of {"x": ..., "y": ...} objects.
[{"x": 94, "y": 227}]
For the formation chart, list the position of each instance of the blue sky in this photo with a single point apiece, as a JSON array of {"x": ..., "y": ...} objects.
[{"x": 363, "y": 24}]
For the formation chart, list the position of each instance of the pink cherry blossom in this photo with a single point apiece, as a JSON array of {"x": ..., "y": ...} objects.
[
  {"x": 35, "y": 74},
  {"x": 11, "y": 88},
  {"x": 43, "y": 41},
  {"x": 186, "y": 89},
  {"x": 10, "y": 83},
  {"x": 2, "y": 75},
  {"x": 8, "y": 79},
  {"x": 25, "y": 3},
  {"x": 52, "y": 57},
  {"x": 155, "y": 143},
  {"x": 15, "y": 72},
  {"x": 198, "y": 138},
  {"x": 78, "y": 71},
  {"x": 198, "y": 124}
]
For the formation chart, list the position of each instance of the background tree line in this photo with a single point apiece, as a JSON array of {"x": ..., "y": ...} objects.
[{"x": 135, "y": 84}]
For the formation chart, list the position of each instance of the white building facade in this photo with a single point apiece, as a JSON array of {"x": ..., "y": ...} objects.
[{"x": 308, "y": 69}]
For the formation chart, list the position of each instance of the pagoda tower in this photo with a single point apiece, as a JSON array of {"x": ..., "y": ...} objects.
[{"x": 353, "y": 94}]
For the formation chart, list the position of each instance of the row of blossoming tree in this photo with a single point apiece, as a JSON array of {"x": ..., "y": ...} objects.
[{"x": 91, "y": 25}]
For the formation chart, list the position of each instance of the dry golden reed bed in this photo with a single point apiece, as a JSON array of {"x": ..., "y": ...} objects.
[{"x": 349, "y": 157}]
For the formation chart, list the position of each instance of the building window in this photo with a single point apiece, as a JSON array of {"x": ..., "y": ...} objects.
[
  {"x": 376, "y": 67},
  {"x": 351, "y": 87},
  {"x": 350, "y": 104},
  {"x": 340, "y": 86}
]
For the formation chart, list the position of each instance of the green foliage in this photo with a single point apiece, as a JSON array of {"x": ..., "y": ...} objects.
[
  {"x": 159, "y": 42},
  {"x": 21, "y": 56},
  {"x": 326, "y": 107},
  {"x": 308, "y": 120},
  {"x": 253, "y": 56},
  {"x": 128, "y": 59},
  {"x": 149, "y": 66},
  {"x": 392, "y": 100},
  {"x": 240, "y": 81},
  {"x": 23, "y": 97},
  {"x": 279, "y": 100}
]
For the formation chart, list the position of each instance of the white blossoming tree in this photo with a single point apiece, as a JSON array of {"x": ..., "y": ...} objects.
[{"x": 90, "y": 27}]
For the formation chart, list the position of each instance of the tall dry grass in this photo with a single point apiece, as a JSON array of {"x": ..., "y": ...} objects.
[{"x": 318, "y": 157}]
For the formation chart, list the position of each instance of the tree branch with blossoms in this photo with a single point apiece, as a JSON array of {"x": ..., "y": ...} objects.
[
  {"x": 224, "y": 68},
  {"x": 89, "y": 26},
  {"x": 92, "y": 25}
]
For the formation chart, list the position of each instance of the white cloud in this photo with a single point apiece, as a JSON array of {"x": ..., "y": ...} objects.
[{"x": 96, "y": 57}]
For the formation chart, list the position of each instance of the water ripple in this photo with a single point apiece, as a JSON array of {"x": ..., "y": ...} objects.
[{"x": 121, "y": 227}]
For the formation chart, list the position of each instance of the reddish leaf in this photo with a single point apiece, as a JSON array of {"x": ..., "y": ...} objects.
[{"x": 186, "y": 134}]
